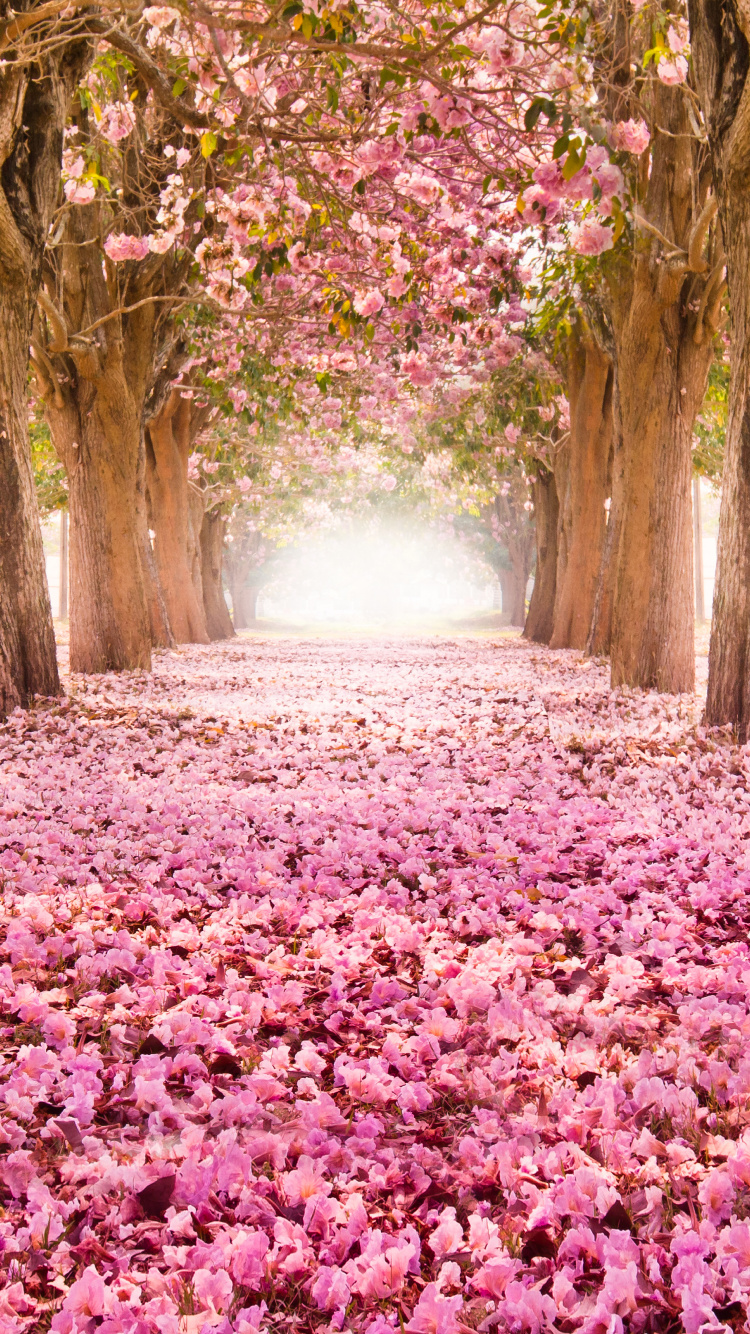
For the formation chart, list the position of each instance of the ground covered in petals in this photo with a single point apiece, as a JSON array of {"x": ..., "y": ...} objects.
[{"x": 377, "y": 986}]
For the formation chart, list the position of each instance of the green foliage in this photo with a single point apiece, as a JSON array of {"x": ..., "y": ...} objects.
[
  {"x": 49, "y": 474},
  {"x": 711, "y": 424}
]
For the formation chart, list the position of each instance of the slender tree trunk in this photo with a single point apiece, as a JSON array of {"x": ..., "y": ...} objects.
[
  {"x": 721, "y": 57},
  {"x": 513, "y": 588},
  {"x": 700, "y": 608},
  {"x": 728, "y": 697},
  {"x": 63, "y": 565},
  {"x": 156, "y": 604},
  {"x": 168, "y": 447},
  {"x": 540, "y": 619},
  {"x": 581, "y": 477},
  {"x": 599, "y": 639},
  {"x": 218, "y": 620}
]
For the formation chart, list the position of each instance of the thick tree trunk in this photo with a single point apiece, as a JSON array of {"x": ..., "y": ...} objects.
[
  {"x": 663, "y": 374},
  {"x": 581, "y": 478},
  {"x": 35, "y": 89},
  {"x": 28, "y": 662},
  {"x": 97, "y": 435},
  {"x": 719, "y": 38},
  {"x": 168, "y": 446},
  {"x": 218, "y": 620},
  {"x": 662, "y": 312},
  {"x": 540, "y": 619}
]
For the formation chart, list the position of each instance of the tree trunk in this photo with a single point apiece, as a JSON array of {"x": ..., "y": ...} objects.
[
  {"x": 540, "y": 619},
  {"x": 662, "y": 312},
  {"x": 700, "y": 601},
  {"x": 581, "y": 476},
  {"x": 663, "y": 374},
  {"x": 218, "y": 620},
  {"x": 63, "y": 565},
  {"x": 168, "y": 443},
  {"x": 513, "y": 588},
  {"x": 244, "y": 602},
  {"x": 28, "y": 662},
  {"x": 599, "y": 639},
  {"x": 35, "y": 89},
  {"x": 722, "y": 63},
  {"x": 97, "y": 435}
]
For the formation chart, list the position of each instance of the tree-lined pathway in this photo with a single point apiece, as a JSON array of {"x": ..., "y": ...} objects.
[{"x": 349, "y": 983}]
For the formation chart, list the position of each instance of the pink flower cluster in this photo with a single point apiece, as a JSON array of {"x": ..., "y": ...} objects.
[
  {"x": 372, "y": 986},
  {"x": 120, "y": 246}
]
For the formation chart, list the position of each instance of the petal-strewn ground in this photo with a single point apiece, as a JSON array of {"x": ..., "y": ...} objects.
[{"x": 373, "y": 986}]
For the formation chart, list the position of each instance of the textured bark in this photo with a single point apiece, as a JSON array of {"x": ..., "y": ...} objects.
[
  {"x": 168, "y": 446},
  {"x": 96, "y": 392},
  {"x": 719, "y": 35},
  {"x": 581, "y": 477},
  {"x": 97, "y": 436},
  {"x": 34, "y": 100},
  {"x": 218, "y": 620},
  {"x": 663, "y": 353},
  {"x": 28, "y": 663},
  {"x": 540, "y": 619}
]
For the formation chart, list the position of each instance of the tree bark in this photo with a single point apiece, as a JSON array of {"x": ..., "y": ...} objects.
[
  {"x": 34, "y": 99},
  {"x": 218, "y": 620},
  {"x": 97, "y": 436},
  {"x": 540, "y": 619},
  {"x": 664, "y": 348},
  {"x": 168, "y": 445},
  {"x": 663, "y": 375},
  {"x": 28, "y": 662},
  {"x": 721, "y": 56},
  {"x": 514, "y": 595},
  {"x": 581, "y": 478},
  {"x": 599, "y": 639}
]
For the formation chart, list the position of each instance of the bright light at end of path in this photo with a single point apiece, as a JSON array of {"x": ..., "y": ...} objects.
[{"x": 379, "y": 579}]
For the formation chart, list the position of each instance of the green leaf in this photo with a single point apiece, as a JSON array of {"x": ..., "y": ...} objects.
[
  {"x": 573, "y": 163},
  {"x": 533, "y": 113},
  {"x": 209, "y": 143},
  {"x": 178, "y": 87}
]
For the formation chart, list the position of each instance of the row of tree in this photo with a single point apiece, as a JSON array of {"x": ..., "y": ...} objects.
[{"x": 347, "y": 225}]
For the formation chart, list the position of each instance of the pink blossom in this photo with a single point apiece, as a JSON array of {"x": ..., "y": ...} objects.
[
  {"x": 632, "y": 136},
  {"x": 369, "y": 303},
  {"x": 673, "y": 72},
  {"x": 434, "y": 1314},
  {"x": 87, "y": 1296},
  {"x": 330, "y": 1290},
  {"x": 213, "y": 1289},
  {"x": 120, "y": 246},
  {"x": 591, "y": 237},
  {"x": 448, "y": 1235},
  {"x": 716, "y": 1195},
  {"x": 79, "y": 192}
]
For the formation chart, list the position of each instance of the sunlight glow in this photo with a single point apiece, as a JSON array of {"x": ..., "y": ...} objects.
[{"x": 389, "y": 577}]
